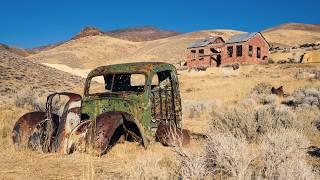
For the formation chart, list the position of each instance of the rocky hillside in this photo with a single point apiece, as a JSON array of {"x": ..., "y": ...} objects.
[
  {"x": 18, "y": 73},
  {"x": 88, "y": 31}
]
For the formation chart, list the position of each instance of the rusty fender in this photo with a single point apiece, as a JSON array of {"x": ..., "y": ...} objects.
[
  {"x": 103, "y": 130},
  {"x": 26, "y": 126}
]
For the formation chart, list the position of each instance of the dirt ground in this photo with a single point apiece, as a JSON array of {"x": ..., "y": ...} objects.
[{"x": 223, "y": 86}]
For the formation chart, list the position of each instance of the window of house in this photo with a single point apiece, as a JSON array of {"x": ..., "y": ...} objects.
[
  {"x": 213, "y": 50},
  {"x": 239, "y": 50},
  {"x": 250, "y": 51},
  {"x": 230, "y": 51},
  {"x": 258, "y": 52},
  {"x": 193, "y": 54},
  {"x": 201, "y": 52},
  {"x": 201, "y": 59}
]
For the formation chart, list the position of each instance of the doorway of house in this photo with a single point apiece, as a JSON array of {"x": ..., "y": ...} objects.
[{"x": 218, "y": 60}]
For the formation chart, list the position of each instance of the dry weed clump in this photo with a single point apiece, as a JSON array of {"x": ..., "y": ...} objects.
[
  {"x": 151, "y": 165},
  {"x": 229, "y": 156},
  {"x": 192, "y": 164},
  {"x": 261, "y": 88},
  {"x": 283, "y": 156}
]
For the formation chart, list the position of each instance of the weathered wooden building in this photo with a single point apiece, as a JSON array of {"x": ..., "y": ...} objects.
[{"x": 248, "y": 48}]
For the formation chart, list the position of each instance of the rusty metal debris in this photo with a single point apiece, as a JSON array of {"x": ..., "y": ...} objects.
[{"x": 123, "y": 109}]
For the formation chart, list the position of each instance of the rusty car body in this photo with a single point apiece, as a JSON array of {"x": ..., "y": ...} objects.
[{"x": 116, "y": 107}]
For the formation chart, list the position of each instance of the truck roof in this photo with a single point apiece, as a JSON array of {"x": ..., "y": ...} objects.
[{"x": 131, "y": 68}]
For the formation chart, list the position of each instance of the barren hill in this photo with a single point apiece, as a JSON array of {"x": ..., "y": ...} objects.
[
  {"x": 131, "y": 34},
  {"x": 15, "y": 50},
  {"x": 296, "y": 26},
  {"x": 293, "y": 34},
  {"x": 92, "y": 51},
  {"x": 17, "y": 73},
  {"x": 141, "y": 34}
]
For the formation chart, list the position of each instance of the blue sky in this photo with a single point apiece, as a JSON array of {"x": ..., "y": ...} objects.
[{"x": 30, "y": 23}]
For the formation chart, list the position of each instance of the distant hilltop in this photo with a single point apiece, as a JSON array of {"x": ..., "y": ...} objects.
[{"x": 137, "y": 34}]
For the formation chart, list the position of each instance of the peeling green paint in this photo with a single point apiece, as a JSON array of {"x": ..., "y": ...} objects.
[{"x": 135, "y": 104}]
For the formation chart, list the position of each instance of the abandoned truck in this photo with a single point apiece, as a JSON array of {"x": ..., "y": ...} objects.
[{"x": 134, "y": 101}]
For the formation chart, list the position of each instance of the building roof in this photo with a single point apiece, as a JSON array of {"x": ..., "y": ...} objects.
[
  {"x": 203, "y": 42},
  {"x": 241, "y": 37}
]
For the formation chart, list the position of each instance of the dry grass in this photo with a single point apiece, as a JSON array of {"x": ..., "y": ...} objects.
[{"x": 236, "y": 139}]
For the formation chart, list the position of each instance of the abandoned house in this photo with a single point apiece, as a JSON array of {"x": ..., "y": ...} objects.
[{"x": 248, "y": 48}]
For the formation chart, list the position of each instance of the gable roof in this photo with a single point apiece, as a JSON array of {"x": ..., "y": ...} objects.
[
  {"x": 203, "y": 42},
  {"x": 244, "y": 37}
]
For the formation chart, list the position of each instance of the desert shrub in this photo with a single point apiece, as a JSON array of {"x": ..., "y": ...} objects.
[
  {"x": 270, "y": 60},
  {"x": 266, "y": 142},
  {"x": 261, "y": 94},
  {"x": 304, "y": 98},
  {"x": 268, "y": 99},
  {"x": 26, "y": 97},
  {"x": 272, "y": 117},
  {"x": 228, "y": 155},
  {"x": 192, "y": 165},
  {"x": 283, "y": 156},
  {"x": 261, "y": 88},
  {"x": 282, "y": 61},
  {"x": 317, "y": 75},
  {"x": 201, "y": 68},
  {"x": 316, "y": 122},
  {"x": 250, "y": 122}
]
